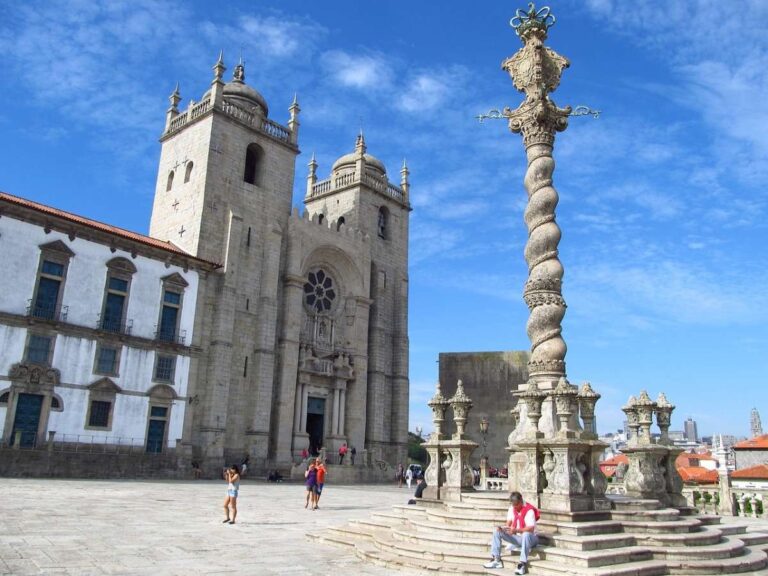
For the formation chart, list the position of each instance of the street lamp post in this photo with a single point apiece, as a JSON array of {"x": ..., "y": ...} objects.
[{"x": 484, "y": 425}]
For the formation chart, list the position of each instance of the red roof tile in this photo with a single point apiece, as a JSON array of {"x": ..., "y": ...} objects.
[
  {"x": 759, "y": 472},
  {"x": 697, "y": 475},
  {"x": 95, "y": 224},
  {"x": 616, "y": 460},
  {"x": 756, "y": 443}
]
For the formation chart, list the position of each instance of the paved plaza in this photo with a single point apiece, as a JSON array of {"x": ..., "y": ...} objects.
[{"x": 88, "y": 527}]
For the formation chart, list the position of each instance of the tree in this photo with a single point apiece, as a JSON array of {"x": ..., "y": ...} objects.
[{"x": 416, "y": 452}]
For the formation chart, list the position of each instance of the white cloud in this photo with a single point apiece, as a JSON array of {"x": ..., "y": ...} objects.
[{"x": 362, "y": 72}]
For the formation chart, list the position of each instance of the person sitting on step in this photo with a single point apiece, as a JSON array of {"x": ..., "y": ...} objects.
[{"x": 520, "y": 531}]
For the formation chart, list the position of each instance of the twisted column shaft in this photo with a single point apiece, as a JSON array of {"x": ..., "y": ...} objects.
[{"x": 542, "y": 291}]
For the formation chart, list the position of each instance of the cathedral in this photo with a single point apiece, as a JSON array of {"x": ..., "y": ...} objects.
[{"x": 239, "y": 326}]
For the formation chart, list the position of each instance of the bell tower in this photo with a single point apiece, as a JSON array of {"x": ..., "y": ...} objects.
[
  {"x": 359, "y": 194},
  {"x": 224, "y": 188}
]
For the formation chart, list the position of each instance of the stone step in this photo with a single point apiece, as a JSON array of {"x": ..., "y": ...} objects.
[
  {"x": 660, "y": 515},
  {"x": 727, "y": 548},
  {"x": 754, "y": 539},
  {"x": 681, "y": 526},
  {"x": 703, "y": 536},
  {"x": 751, "y": 560},
  {"x": 594, "y": 542},
  {"x": 580, "y": 528},
  {"x": 731, "y": 529},
  {"x": 709, "y": 519},
  {"x": 391, "y": 518},
  {"x": 454, "y": 517},
  {"x": 627, "y": 503}
]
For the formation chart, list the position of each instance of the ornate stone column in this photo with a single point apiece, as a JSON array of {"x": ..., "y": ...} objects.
[
  {"x": 552, "y": 461},
  {"x": 457, "y": 451},
  {"x": 434, "y": 475},
  {"x": 587, "y": 400}
]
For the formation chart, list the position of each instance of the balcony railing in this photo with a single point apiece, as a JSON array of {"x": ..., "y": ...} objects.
[
  {"x": 47, "y": 312},
  {"x": 114, "y": 325},
  {"x": 88, "y": 444},
  {"x": 170, "y": 336}
]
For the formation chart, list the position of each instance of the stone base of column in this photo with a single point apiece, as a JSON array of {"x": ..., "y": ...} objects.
[
  {"x": 458, "y": 473},
  {"x": 645, "y": 476},
  {"x": 559, "y": 475}
]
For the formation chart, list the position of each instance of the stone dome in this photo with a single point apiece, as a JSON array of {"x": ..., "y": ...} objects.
[
  {"x": 239, "y": 92},
  {"x": 371, "y": 162}
]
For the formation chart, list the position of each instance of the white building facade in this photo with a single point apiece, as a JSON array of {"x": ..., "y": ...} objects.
[{"x": 96, "y": 325}]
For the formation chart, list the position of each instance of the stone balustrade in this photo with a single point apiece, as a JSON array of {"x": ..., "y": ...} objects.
[
  {"x": 197, "y": 110},
  {"x": 340, "y": 181}
]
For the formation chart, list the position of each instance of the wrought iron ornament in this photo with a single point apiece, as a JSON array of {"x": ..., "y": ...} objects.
[
  {"x": 496, "y": 114},
  {"x": 523, "y": 20}
]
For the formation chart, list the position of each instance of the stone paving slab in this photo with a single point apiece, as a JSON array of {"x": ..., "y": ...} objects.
[{"x": 93, "y": 527}]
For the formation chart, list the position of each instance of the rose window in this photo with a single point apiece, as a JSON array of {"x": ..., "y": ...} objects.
[{"x": 319, "y": 291}]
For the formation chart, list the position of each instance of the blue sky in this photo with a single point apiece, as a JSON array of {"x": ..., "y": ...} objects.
[{"x": 663, "y": 199}]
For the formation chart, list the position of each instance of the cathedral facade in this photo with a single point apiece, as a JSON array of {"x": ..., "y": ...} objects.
[{"x": 299, "y": 333}]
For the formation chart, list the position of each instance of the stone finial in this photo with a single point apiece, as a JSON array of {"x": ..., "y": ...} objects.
[
  {"x": 293, "y": 121},
  {"x": 663, "y": 412},
  {"x": 564, "y": 395},
  {"x": 587, "y": 400},
  {"x": 533, "y": 398},
  {"x": 645, "y": 407},
  {"x": 360, "y": 147},
  {"x": 461, "y": 404},
  {"x": 404, "y": 173},
  {"x": 311, "y": 176},
  {"x": 630, "y": 409},
  {"x": 439, "y": 405},
  {"x": 175, "y": 98},
  {"x": 219, "y": 68}
]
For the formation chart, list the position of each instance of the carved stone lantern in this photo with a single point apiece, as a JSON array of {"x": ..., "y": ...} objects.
[
  {"x": 533, "y": 398},
  {"x": 664, "y": 417},
  {"x": 587, "y": 400},
  {"x": 645, "y": 408},
  {"x": 461, "y": 404},
  {"x": 632, "y": 422},
  {"x": 564, "y": 396},
  {"x": 439, "y": 405}
]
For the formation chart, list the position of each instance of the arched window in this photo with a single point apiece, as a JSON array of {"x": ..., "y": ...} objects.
[
  {"x": 188, "y": 171},
  {"x": 382, "y": 226},
  {"x": 56, "y": 404},
  {"x": 169, "y": 184},
  {"x": 4, "y": 397},
  {"x": 254, "y": 156},
  {"x": 321, "y": 219},
  {"x": 339, "y": 223}
]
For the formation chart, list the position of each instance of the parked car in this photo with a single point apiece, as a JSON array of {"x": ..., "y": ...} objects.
[{"x": 416, "y": 470}]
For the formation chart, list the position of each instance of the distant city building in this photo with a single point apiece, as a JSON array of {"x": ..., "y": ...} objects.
[
  {"x": 691, "y": 433},
  {"x": 677, "y": 435},
  {"x": 755, "y": 424},
  {"x": 751, "y": 452}
]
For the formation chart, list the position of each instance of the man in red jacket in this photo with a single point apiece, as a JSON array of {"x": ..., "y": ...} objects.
[{"x": 520, "y": 531}]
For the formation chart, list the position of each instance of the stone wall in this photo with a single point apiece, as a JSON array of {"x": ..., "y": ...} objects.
[
  {"x": 49, "y": 464},
  {"x": 489, "y": 380},
  {"x": 747, "y": 458}
]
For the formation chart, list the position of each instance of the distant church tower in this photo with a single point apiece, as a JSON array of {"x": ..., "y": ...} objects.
[
  {"x": 755, "y": 424},
  {"x": 302, "y": 334}
]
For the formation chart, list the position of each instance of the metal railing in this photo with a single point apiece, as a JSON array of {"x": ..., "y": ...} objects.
[
  {"x": 170, "y": 336},
  {"x": 115, "y": 326},
  {"x": 47, "y": 311}
]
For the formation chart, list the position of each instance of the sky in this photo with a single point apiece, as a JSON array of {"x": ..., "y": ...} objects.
[{"x": 663, "y": 201}]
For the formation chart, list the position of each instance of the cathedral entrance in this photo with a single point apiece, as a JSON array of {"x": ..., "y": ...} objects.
[
  {"x": 27, "y": 420},
  {"x": 315, "y": 424}
]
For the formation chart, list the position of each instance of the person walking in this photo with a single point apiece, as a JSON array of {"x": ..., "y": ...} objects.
[
  {"x": 352, "y": 454},
  {"x": 311, "y": 484},
  {"x": 342, "y": 452},
  {"x": 520, "y": 531},
  {"x": 321, "y": 471},
  {"x": 399, "y": 475},
  {"x": 232, "y": 477},
  {"x": 408, "y": 476}
]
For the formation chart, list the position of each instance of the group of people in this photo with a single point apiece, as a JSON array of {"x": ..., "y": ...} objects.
[
  {"x": 519, "y": 531},
  {"x": 314, "y": 481}
]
